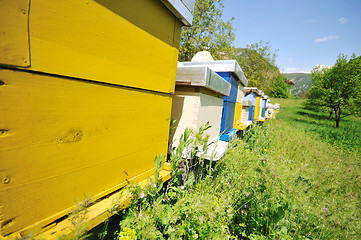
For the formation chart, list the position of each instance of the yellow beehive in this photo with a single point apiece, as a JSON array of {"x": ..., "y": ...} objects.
[
  {"x": 86, "y": 89},
  {"x": 258, "y": 107},
  {"x": 238, "y": 123}
]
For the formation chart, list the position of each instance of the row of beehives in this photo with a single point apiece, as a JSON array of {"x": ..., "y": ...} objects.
[
  {"x": 86, "y": 92},
  {"x": 217, "y": 92}
]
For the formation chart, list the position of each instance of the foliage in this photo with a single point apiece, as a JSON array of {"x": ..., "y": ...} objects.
[
  {"x": 280, "y": 89},
  {"x": 258, "y": 62},
  {"x": 270, "y": 185},
  {"x": 337, "y": 90},
  {"x": 208, "y": 32}
]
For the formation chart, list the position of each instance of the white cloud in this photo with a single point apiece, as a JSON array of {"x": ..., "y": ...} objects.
[
  {"x": 290, "y": 59},
  {"x": 342, "y": 20},
  {"x": 296, "y": 70},
  {"x": 329, "y": 38}
]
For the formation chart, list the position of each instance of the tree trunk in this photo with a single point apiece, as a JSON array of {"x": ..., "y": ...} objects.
[
  {"x": 330, "y": 116},
  {"x": 337, "y": 116}
]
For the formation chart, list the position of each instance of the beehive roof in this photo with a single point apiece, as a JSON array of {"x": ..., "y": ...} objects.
[{"x": 222, "y": 66}]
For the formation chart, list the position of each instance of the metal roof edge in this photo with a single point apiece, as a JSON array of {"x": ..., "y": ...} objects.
[
  {"x": 202, "y": 76},
  {"x": 182, "y": 9},
  {"x": 222, "y": 66}
]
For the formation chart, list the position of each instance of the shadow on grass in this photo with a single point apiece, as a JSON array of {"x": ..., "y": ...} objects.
[
  {"x": 347, "y": 136},
  {"x": 314, "y": 122},
  {"x": 315, "y": 115}
]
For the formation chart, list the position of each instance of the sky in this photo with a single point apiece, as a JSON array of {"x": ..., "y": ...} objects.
[{"x": 306, "y": 32}]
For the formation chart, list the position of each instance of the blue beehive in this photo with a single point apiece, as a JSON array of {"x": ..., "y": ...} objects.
[
  {"x": 229, "y": 102},
  {"x": 264, "y": 103},
  {"x": 233, "y": 80},
  {"x": 251, "y": 113},
  {"x": 251, "y": 94},
  {"x": 227, "y": 116}
]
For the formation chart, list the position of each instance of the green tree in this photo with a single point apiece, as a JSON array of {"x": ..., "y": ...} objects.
[
  {"x": 337, "y": 90},
  {"x": 258, "y": 62},
  {"x": 280, "y": 89},
  {"x": 208, "y": 32}
]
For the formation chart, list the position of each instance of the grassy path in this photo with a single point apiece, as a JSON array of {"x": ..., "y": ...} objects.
[
  {"x": 294, "y": 177},
  {"x": 312, "y": 168}
]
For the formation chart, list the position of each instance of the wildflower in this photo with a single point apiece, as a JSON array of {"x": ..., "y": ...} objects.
[
  {"x": 212, "y": 169},
  {"x": 265, "y": 149},
  {"x": 142, "y": 195},
  {"x": 247, "y": 194},
  {"x": 181, "y": 187},
  {"x": 245, "y": 206}
]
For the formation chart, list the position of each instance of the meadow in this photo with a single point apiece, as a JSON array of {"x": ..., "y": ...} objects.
[{"x": 294, "y": 177}]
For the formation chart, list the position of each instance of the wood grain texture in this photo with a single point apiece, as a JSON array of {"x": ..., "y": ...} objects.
[
  {"x": 99, "y": 40},
  {"x": 14, "y": 34},
  {"x": 257, "y": 108},
  {"x": 194, "y": 109},
  {"x": 237, "y": 115},
  {"x": 67, "y": 140}
]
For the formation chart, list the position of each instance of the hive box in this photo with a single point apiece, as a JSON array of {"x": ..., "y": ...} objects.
[
  {"x": 251, "y": 95},
  {"x": 87, "y": 113},
  {"x": 264, "y": 106},
  {"x": 232, "y": 73},
  {"x": 198, "y": 99},
  {"x": 258, "y": 107},
  {"x": 245, "y": 112},
  {"x": 240, "y": 124},
  {"x": 255, "y": 95}
]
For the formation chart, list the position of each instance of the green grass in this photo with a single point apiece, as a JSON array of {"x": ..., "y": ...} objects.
[
  {"x": 316, "y": 124},
  {"x": 291, "y": 178}
]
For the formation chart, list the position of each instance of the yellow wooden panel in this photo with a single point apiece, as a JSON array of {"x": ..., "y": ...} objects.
[
  {"x": 93, "y": 40},
  {"x": 65, "y": 140},
  {"x": 14, "y": 37},
  {"x": 99, "y": 212},
  {"x": 257, "y": 108},
  {"x": 237, "y": 115}
]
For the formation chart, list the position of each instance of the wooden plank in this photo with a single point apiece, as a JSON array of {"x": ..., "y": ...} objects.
[
  {"x": 14, "y": 37},
  {"x": 233, "y": 80},
  {"x": 67, "y": 140},
  {"x": 257, "y": 108},
  {"x": 237, "y": 115},
  {"x": 227, "y": 116},
  {"x": 193, "y": 109},
  {"x": 240, "y": 93},
  {"x": 211, "y": 111},
  {"x": 119, "y": 42},
  {"x": 245, "y": 114}
]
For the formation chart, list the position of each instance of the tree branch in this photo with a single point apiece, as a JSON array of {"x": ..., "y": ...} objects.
[{"x": 346, "y": 115}]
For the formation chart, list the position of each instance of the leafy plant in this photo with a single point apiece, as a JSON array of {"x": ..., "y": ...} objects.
[
  {"x": 337, "y": 90},
  {"x": 208, "y": 32}
]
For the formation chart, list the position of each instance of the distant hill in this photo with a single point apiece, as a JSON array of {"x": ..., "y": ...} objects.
[{"x": 303, "y": 82}]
